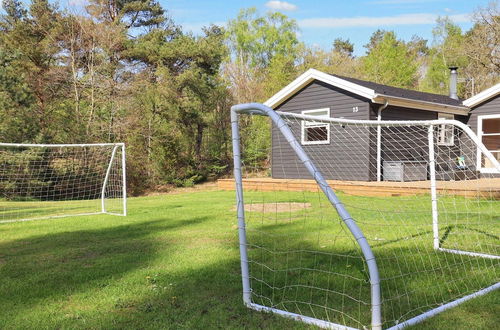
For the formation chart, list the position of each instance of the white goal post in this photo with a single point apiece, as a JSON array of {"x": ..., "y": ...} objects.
[
  {"x": 40, "y": 181},
  {"x": 332, "y": 239}
]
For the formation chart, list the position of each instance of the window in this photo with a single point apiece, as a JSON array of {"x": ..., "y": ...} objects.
[
  {"x": 316, "y": 132},
  {"x": 489, "y": 134},
  {"x": 445, "y": 132}
]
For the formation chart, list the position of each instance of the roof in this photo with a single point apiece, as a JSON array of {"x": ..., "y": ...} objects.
[
  {"x": 483, "y": 96},
  {"x": 404, "y": 93},
  {"x": 377, "y": 93}
]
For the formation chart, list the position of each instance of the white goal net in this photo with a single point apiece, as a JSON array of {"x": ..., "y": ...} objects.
[
  {"x": 50, "y": 180},
  {"x": 364, "y": 224}
]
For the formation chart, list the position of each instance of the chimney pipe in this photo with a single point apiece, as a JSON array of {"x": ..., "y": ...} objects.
[{"x": 453, "y": 82}]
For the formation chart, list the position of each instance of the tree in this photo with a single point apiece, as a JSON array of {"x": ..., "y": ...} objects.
[
  {"x": 254, "y": 40},
  {"x": 482, "y": 49},
  {"x": 35, "y": 40},
  {"x": 264, "y": 51},
  {"x": 390, "y": 61},
  {"x": 446, "y": 51},
  {"x": 14, "y": 11},
  {"x": 130, "y": 13},
  {"x": 178, "y": 110},
  {"x": 344, "y": 47},
  {"x": 16, "y": 100},
  {"x": 375, "y": 39}
]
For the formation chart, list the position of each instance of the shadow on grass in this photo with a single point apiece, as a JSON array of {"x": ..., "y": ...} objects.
[
  {"x": 53, "y": 266},
  {"x": 210, "y": 297},
  {"x": 448, "y": 230},
  {"x": 203, "y": 298}
]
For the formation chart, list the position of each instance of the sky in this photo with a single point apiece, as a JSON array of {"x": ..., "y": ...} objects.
[{"x": 321, "y": 21}]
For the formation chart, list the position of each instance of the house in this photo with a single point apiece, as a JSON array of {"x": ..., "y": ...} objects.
[
  {"x": 484, "y": 119},
  {"x": 366, "y": 152}
]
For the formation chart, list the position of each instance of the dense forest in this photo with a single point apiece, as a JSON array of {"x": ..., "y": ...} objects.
[{"x": 124, "y": 71}]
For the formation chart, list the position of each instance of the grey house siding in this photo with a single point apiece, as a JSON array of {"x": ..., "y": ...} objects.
[
  {"x": 398, "y": 143},
  {"x": 345, "y": 157},
  {"x": 490, "y": 107},
  {"x": 412, "y": 145}
]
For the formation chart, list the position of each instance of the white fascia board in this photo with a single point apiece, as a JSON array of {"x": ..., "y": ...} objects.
[
  {"x": 420, "y": 105},
  {"x": 483, "y": 96},
  {"x": 311, "y": 75}
]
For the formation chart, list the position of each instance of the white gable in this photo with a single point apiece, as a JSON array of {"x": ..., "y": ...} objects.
[
  {"x": 483, "y": 96},
  {"x": 370, "y": 94}
]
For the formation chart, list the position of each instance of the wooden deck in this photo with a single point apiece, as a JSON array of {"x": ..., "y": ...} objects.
[{"x": 485, "y": 188}]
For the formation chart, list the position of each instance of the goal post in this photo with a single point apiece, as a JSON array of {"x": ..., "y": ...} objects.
[
  {"x": 120, "y": 146},
  {"x": 405, "y": 241},
  {"x": 40, "y": 181}
]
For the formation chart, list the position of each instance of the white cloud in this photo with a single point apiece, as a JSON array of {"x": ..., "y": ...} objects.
[
  {"x": 399, "y": 2},
  {"x": 77, "y": 2},
  {"x": 281, "y": 5},
  {"x": 365, "y": 21}
]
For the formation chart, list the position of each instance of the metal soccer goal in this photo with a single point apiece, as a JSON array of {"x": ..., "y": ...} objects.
[
  {"x": 375, "y": 224},
  {"x": 40, "y": 181}
]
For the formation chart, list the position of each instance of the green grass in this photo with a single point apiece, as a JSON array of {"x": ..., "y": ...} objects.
[{"x": 174, "y": 263}]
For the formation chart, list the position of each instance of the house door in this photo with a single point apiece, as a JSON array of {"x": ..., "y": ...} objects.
[{"x": 489, "y": 133}]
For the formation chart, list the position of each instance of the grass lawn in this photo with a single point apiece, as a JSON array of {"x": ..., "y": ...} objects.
[{"x": 174, "y": 263}]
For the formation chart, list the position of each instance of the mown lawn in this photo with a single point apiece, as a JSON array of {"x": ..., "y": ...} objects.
[{"x": 172, "y": 263}]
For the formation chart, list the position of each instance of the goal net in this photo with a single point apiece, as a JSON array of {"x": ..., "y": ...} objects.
[
  {"x": 364, "y": 224},
  {"x": 39, "y": 181}
]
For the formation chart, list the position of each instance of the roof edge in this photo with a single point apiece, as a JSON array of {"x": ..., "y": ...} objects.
[
  {"x": 311, "y": 75},
  {"x": 421, "y": 105},
  {"x": 483, "y": 96},
  {"x": 370, "y": 94}
]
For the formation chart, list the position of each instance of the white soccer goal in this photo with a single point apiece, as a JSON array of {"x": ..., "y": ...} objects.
[
  {"x": 40, "y": 181},
  {"x": 379, "y": 224}
]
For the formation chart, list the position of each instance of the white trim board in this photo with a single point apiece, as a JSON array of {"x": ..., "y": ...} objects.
[
  {"x": 483, "y": 96},
  {"x": 370, "y": 94},
  {"x": 304, "y": 127},
  {"x": 311, "y": 75},
  {"x": 480, "y": 137}
]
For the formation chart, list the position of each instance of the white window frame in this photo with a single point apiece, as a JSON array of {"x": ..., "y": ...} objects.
[
  {"x": 314, "y": 124},
  {"x": 442, "y": 129},
  {"x": 480, "y": 135}
]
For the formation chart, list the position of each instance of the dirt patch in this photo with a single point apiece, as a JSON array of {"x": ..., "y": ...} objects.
[
  {"x": 170, "y": 189},
  {"x": 275, "y": 207}
]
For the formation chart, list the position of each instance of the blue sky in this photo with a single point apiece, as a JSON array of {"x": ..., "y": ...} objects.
[{"x": 321, "y": 21}]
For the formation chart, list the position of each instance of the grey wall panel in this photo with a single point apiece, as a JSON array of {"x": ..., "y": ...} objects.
[
  {"x": 346, "y": 157},
  {"x": 490, "y": 107}
]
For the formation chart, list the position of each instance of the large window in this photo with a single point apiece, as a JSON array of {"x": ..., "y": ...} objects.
[
  {"x": 316, "y": 132},
  {"x": 445, "y": 132},
  {"x": 489, "y": 133}
]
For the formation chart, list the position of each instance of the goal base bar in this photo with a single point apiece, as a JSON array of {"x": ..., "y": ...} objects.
[
  {"x": 417, "y": 319},
  {"x": 305, "y": 319},
  {"x": 60, "y": 216},
  {"x": 113, "y": 213},
  {"x": 471, "y": 254},
  {"x": 440, "y": 309}
]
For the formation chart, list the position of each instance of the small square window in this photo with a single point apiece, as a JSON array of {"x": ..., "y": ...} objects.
[
  {"x": 445, "y": 133},
  {"x": 316, "y": 132}
]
